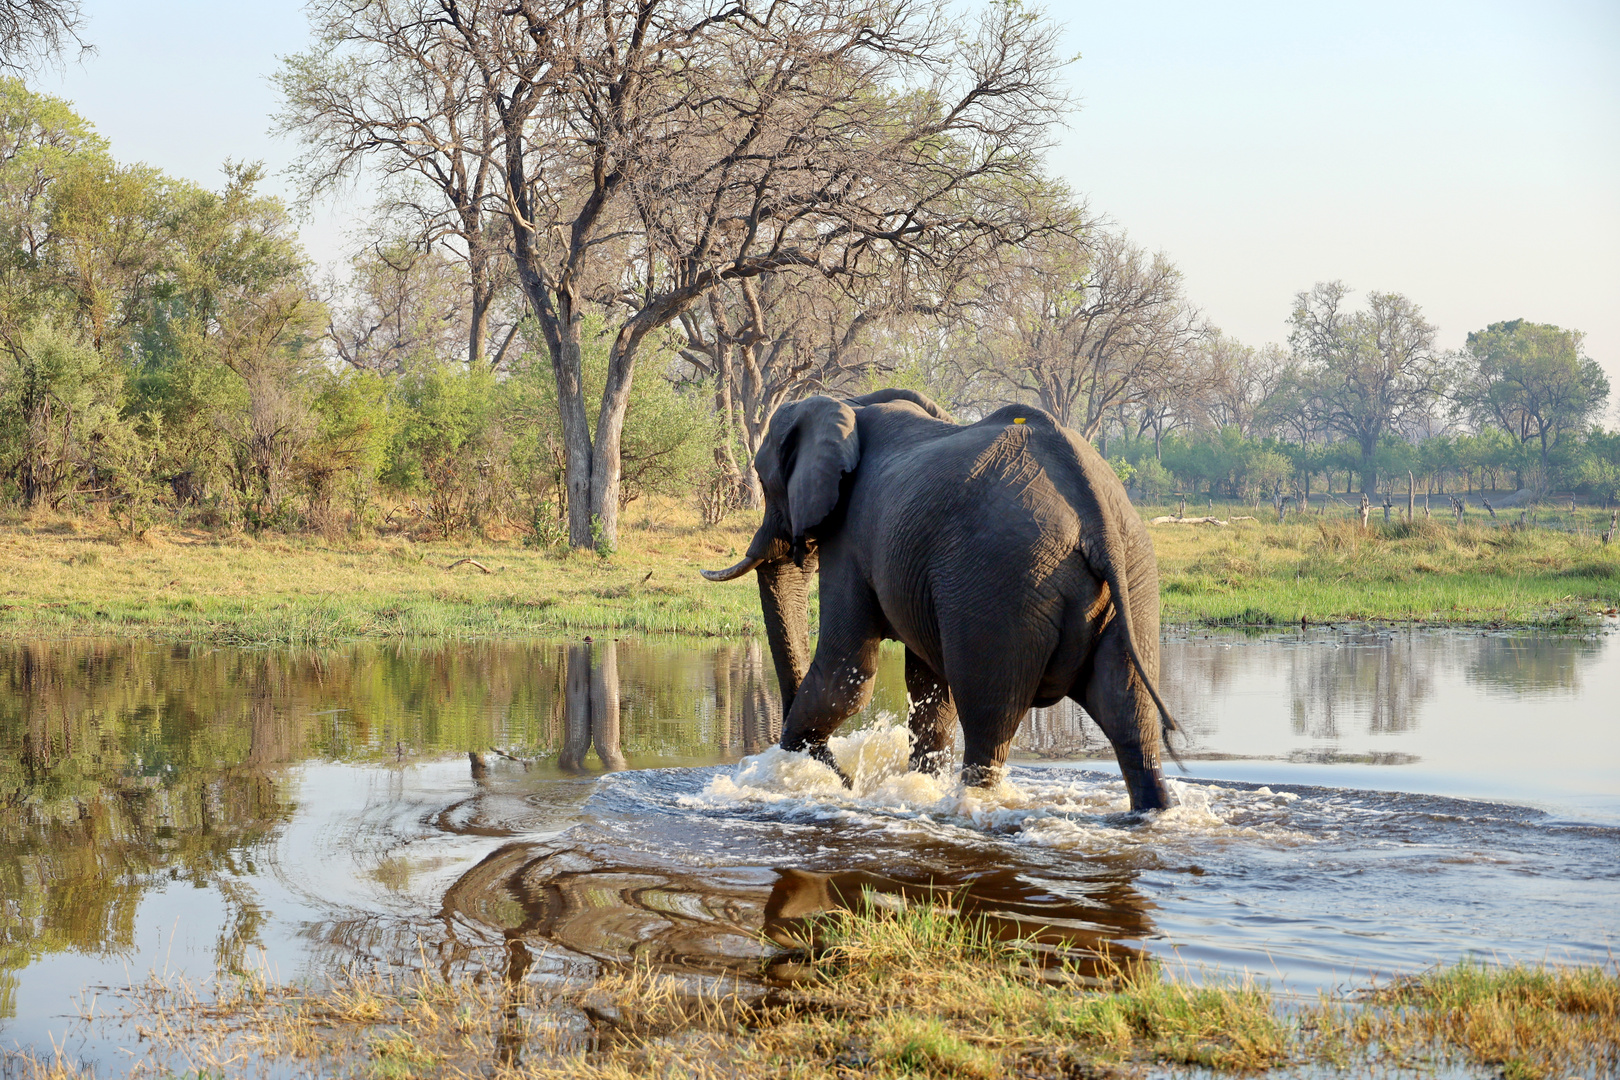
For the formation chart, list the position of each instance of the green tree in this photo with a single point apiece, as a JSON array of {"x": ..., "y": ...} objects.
[
  {"x": 1369, "y": 372},
  {"x": 1534, "y": 382},
  {"x": 60, "y": 403}
]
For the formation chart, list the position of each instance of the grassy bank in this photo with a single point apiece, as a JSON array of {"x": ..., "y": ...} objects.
[
  {"x": 885, "y": 995},
  {"x": 66, "y": 577},
  {"x": 1331, "y": 570},
  {"x": 63, "y": 577}
]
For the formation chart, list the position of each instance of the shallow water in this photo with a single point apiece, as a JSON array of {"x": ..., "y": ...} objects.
[{"x": 1357, "y": 803}]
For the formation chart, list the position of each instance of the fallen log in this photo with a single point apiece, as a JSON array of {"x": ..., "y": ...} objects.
[{"x": 1186, "y": 521}]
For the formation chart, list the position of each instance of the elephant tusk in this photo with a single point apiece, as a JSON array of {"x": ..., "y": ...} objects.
[{"x": 732, "y": 572}]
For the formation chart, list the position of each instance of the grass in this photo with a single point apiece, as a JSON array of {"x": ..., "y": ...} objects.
[
  {"x": 1326, "y": 570},
  {"x": 920, "y": 992},
  {"x": 67, "y": 577}
]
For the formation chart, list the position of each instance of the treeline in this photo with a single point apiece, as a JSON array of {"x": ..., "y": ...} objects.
[{"x": 605, "y": 249}]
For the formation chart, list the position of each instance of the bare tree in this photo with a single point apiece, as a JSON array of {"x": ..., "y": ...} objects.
[
  {"x": 1241, "y": 380},
  {"x": 402, "y": 305},
  {"x": 387, "y": 88},
  {"x": 1089, "y": 327},
  {"x": 1370, "y": 372},
  {"x": 651, "y": 151},
  {"x": 35, "y": 30},
  {"x": 780, "y": 337}
]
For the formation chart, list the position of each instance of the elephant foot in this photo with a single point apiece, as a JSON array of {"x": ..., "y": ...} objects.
[
  {"x": 929, "y": 761},
  {"x": 981, "y": 775},
  {"x": 823, "y": 754},
  {"x": 1148, "y": 791}
]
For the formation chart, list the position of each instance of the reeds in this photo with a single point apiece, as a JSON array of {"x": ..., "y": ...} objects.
[{"x": 883, "y": 993}]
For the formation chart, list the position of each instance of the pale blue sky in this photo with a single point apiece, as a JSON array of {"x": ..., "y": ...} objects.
[{"x": 1466, "y": 154}]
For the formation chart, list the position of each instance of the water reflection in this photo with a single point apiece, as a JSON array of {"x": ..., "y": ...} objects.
[{"x": 127, "y": 768}]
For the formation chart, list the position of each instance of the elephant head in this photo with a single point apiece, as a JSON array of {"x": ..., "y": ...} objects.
[{"x": 808, "y": 449}]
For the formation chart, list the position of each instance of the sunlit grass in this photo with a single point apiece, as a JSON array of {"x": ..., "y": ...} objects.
[
  {"x": 1527, "y": 1022},
  {"x": 1322, "y": 570},
  {"x": 921, "y": 991},
  {"x": 66, "y": 577}
]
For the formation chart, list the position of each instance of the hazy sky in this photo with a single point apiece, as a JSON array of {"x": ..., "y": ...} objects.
[{"x": 1465, "y": 154}]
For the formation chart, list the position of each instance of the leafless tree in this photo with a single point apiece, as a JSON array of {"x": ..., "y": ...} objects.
[
  {"x": 1369, "y": 373},
  {"x": 1241, "y": 380},
  {"x": 1088, "y": 327},
  {"x": 387, "y": 88},
  {"x": 35, "y": 30},
  {"x": 402, "y": 305},
  {"x": 651, "y": 151},
  {"x": 776, "y": 338}
]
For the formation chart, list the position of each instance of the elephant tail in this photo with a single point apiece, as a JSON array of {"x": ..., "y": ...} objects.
[{"x": 1122, "y": 606}]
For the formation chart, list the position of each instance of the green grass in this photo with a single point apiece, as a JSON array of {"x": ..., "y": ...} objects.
[
  {"x": 919, "y": 992},
  {"x": 70, "y": 578},
  {"x": 1427, "y": 572},
  {"x": 65, "y": 577}
]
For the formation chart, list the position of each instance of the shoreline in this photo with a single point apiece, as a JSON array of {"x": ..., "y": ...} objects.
[{"x": 67, "y": 578}]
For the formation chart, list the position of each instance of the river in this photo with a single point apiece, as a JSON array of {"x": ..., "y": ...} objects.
[{"x": 1356, "y": 802}]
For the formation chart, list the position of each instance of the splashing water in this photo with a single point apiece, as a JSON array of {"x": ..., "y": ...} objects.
[{"x": 1055, "y": 808}]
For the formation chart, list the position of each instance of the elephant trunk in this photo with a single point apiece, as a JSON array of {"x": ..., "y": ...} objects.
[{"x": 784, "y": 597}]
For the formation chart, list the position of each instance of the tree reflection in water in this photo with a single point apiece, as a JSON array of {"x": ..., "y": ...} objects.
[
  {"x": 111, "y": 786},
  {"x": 127, "y": 766}
]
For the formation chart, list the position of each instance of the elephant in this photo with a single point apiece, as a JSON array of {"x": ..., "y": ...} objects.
[{"x": 1004, "y": 555}]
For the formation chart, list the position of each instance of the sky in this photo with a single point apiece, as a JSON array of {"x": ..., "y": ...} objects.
[{"x": 1464, "y": 154}]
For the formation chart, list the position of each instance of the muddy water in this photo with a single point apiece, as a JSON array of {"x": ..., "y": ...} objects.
[{"x": 1355, "y": 802}]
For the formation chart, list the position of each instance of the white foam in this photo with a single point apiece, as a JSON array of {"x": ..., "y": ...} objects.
[{"x": 1051, "y": 809}]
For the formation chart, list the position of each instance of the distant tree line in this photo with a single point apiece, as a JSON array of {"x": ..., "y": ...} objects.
[{"x": 609, "y": 243}]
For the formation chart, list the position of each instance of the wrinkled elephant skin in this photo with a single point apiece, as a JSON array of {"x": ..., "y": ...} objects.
[{"x": 1005, "y": 556}]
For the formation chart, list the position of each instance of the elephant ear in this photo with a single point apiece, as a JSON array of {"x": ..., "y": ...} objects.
[{"x": 815, "y": 448}]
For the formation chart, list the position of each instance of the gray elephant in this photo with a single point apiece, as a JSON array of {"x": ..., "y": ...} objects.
[{"x": 1005, "y": 556}]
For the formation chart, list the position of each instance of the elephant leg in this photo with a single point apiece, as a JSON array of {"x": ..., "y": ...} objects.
[
  {"x": 839, "y": 682},
  {"x": 931, "y": 716},
  {"x": 988, "y": 728},
  {"x": 1116, "y": 698},
  {"x": 994, "y": 675}
]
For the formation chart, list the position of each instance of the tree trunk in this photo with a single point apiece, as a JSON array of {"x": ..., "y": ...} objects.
[
  {"x": 1369, "y": 471},
  {"x": 478, "y": 326},
  {"x": 605, "y": 461},
  {"x": 483, "y": 295}
]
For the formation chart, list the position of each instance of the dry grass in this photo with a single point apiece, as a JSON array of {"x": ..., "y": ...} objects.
[
  {"x": 1528, "y": 1023},
  {"x": 882, "y": 994},
  {"x": 68, "y": 577}
]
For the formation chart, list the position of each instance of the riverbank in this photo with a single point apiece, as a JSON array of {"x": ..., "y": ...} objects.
[
  {"x": 921, "y": 992},
  {"x": 65, "y": 577}
]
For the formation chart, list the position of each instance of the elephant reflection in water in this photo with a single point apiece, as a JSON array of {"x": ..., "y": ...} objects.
[
  {"x": 1085, "y": 934},
  {"x": 574, "y": 909}
]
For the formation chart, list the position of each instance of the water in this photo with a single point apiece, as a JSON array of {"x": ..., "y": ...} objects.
[{"x": 1357, "y": 803}]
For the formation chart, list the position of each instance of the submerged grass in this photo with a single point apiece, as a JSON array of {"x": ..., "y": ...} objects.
[
  {"x": 62, "y": 577},
  {"x": 885, "y": 994}
]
